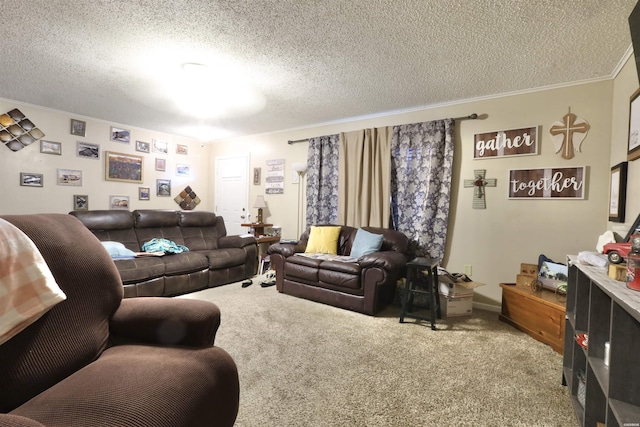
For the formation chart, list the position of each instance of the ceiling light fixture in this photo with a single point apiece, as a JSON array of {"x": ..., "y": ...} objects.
[{"x": 207, "y": 93}]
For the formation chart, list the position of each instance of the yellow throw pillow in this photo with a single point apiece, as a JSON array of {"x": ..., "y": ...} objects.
[{"x": 323, "y": 240}]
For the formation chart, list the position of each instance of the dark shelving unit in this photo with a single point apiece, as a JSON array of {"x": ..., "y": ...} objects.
[{"x": 607, "y": 311}]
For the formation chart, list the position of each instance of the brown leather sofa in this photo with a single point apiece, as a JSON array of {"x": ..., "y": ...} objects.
[
  {"x": 96, "y": 360},
  {"x": 365, "y": 286},
  {"x": 213, "y": 258}
]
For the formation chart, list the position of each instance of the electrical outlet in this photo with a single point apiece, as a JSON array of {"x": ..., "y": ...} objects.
[{"x": 467, "y": 269}]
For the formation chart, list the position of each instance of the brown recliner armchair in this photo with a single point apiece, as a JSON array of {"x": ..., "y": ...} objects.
[{"x": 98, "y": 360}]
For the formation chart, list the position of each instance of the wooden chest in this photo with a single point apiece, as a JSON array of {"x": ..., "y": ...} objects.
[{"x": 539, "y": 314}]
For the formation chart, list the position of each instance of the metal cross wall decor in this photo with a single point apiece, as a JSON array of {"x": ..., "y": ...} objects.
[{"x": 479, "y": 183}]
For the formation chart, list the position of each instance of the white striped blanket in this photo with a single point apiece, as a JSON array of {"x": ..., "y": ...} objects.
[{"x": 27, "y": 287}]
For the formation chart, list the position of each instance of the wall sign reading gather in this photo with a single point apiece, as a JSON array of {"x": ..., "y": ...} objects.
[
  {"x": 547, "y": 183},
  {"x": 504, "y": 143}
]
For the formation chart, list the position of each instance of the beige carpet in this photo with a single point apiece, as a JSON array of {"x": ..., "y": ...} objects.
[{"x": 307, "y": 364}]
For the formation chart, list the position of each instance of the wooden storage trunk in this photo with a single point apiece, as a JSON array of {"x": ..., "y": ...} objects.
[{"x": 539, "y": 314}]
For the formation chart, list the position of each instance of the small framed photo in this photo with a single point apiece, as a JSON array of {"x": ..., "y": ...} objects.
[
  {"x": 28, "y": 179},
  {"x": 80, "y": 202},
  {"x": 120, "y": 135},
  {"x": 618, "y": 192},
  {"x": 182, "y": 149},
  {"x": 50, "y": 147},
  {"x": 119, "y": 202},
  {"x": 182, "y": 170},
  {"x": 78, "y": 127},
  {"x": 161, "y": 164},
  {"x": 256, "y": 176},
  {"x": 163, "y": 187},
  {"x": 123, "y": 167},
  {"x": 633, "y": 149},
  {"x": 144, "y": 193},
  {"x": 87, "y": 150},
  {"x": 69, "y": 177},
  {"x": 161, "y": 147},
  {"x": 142, "y": 146}
]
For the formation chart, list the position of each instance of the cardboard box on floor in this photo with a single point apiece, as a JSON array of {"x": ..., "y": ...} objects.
[
  {"x": 456, "y": 298},
  {"x": 455, "y": 307}
]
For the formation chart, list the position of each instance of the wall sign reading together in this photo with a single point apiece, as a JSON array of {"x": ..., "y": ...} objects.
[{"x": 547, "y": 183}]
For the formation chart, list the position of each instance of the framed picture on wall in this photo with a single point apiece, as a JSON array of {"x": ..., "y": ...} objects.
[
  {"x": 123, "y": 167},
  {"x": 80, "y": 202},
  {"x": 28, "y": 179},
  {"x": 78, "y": 127},
  {"x": 163, "y": 187},
  {"x": 618, "y": 192},
  {"x": 120, "y": 135},
  {"x": 633, "y": 150}
]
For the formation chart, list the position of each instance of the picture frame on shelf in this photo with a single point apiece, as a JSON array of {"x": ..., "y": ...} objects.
[
  {"x": 144, "y": 193},
  {"x": 633, "y": 148},
  {"x": 78, "y": 128},
  {"x": 163, "y": 187},
  {"x": 120, "y": 135},
  {"x": 80, "y": 202},
  {"x": 87, "y": 150},
  {"x": 143, "y": 147},
  {"x": 123, "y": 167},
  {"x": 161, "y": 164},
  {"x": 618, "y": 192},
  {"x": 50, "y": 147},
  {"x": 28, "y": 179},
  {"x": 69, "y": 177},
  {"x": 119, "y": 202}
]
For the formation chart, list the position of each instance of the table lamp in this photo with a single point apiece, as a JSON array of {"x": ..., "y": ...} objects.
[{"x": 259, "y": 203}]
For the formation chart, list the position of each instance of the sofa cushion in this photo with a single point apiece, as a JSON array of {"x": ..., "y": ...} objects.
[
  {"x": 140, "y": 269},
  {"x": 225, "y": 258},
  {"x": 323, "y": 240},
  {"x": 186, "y": 262},
  {"x": 366, "y": 243}
]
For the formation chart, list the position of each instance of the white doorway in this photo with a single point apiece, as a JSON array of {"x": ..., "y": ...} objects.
[{"x": 232, "y": 192}]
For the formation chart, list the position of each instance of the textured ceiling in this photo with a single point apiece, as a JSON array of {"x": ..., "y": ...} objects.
[{"x": 312, "y": 61}]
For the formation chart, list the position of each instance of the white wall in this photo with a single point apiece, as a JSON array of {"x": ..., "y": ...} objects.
[
  {"x": 493, "y": 241},
  {"x": 496, "y": 240},
  {"x": 16, "y": 199}
]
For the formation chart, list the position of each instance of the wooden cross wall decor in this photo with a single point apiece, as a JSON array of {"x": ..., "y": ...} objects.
[
  {"x": 568, "y": 134},
  {"x": 479, "y": 183}
]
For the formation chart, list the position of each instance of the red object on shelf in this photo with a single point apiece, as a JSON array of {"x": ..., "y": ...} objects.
[{"x": 582, "y": 340}]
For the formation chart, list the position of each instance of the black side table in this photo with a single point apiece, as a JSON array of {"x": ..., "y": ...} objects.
[{"x": 422, "y": 279}]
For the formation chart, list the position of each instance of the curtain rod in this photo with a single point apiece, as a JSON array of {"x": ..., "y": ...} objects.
[{"x": 469, "y": 117}]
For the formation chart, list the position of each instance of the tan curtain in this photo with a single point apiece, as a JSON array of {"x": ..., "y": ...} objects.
[{"x": 365, "y": 175}]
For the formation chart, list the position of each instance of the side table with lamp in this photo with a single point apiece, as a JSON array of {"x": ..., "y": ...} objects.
[{"x": 258, "y": 231}]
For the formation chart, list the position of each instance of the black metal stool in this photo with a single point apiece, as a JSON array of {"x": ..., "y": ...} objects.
[{"x": 421, "y": 273}]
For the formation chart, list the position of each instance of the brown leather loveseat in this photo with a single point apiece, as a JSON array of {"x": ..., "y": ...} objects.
[
  {"x": 213, "y": 258},
  {"x": 366, "y": 285},
  {"x": 96, "y": 360}
]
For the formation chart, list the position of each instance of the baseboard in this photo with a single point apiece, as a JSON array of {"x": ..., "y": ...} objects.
[{"x": 487, "y": 307}]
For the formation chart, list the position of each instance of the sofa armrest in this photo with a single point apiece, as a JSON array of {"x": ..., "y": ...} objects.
[
  {"x": 236, "y": 241},
  {"x": 166, "y": 321},
  {"x": 285, "y": 249},
  {"x": 8, "y": 420},
  {"x": 389, "y": 260}
]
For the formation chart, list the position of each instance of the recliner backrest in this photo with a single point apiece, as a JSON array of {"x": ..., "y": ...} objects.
[{"x": 74, "y": 332}]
